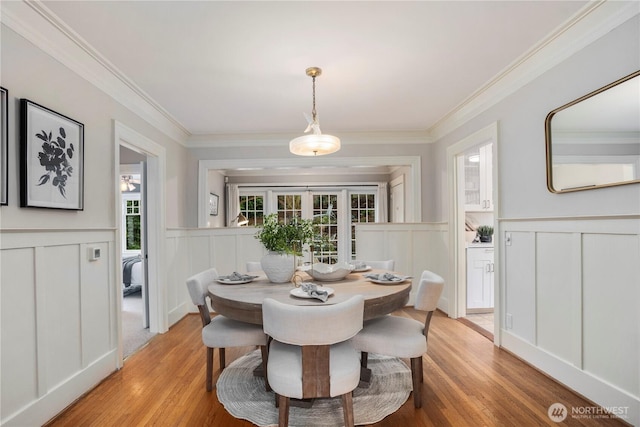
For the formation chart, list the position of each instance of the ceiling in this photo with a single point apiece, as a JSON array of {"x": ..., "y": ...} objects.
[{"x": 226, "y": 68}]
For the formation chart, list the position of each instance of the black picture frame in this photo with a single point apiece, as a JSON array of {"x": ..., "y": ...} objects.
[
  {"x": 51, "y": 159},
  {"x": 4, "y": 146},
  {"x": 213, "y": 204}
]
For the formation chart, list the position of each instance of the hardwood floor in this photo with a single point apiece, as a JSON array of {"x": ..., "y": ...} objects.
[{"x": 467, "y": 382}]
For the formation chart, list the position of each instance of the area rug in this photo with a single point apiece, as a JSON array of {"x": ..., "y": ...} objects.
[{"x": 243, "y": 395}]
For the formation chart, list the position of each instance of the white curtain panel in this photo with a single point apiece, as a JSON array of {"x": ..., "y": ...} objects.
[
  {"x": 383, "y": 202},
  {"x": 233, "y": 204}
]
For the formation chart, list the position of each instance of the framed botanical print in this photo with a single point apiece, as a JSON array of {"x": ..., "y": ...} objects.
[
  {"x": 51, "y": 159},
  {"x": 213, "y": 204},
  {"x": 4, "y": 149}
]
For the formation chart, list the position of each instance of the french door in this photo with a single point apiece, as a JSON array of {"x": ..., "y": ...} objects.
[{"x": 323, "y": 208}]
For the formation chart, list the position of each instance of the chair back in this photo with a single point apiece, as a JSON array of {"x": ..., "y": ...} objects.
[
  {"x": 382, "y": 265},
  {"x": 197, "y": 285},
  {"x": 429, "y": 291},
  {"x": 313, "y": 325},
  {"x": 254, "y": 266}
]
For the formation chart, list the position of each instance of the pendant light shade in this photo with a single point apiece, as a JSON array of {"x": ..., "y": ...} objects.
[{"x": 316, "y": 143}]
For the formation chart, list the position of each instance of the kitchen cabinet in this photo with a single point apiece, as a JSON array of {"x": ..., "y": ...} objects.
[
  {"x": 480, "y": 272},
  {"x": 478, "y": 189}
]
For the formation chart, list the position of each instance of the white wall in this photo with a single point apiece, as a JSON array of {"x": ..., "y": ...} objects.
[
  {"x": 43, "y": 255},
  {"x": 59, "y": 328},
  {"x": 569, "y": 281}
]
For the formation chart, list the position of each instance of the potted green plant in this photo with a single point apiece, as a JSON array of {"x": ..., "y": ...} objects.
[
  {"x": 485, "y": 233},
  {"x": 284, "y": 241}
]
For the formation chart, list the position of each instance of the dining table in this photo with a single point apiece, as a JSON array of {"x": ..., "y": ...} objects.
[{"x": 243, "y": 301}]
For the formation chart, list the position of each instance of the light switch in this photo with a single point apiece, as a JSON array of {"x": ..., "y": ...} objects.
[{"x": 94, "y": 254}]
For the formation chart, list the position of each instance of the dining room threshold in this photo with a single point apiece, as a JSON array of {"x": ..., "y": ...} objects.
[{"x": 480, "y": 322}]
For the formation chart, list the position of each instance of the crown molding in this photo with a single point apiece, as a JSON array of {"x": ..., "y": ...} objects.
[
  {"x": 44, "y": 29},
  {"x": 280, "y": 139},
  {"x": 40, "y": 26},
  {"x": 593, "y": 21}
]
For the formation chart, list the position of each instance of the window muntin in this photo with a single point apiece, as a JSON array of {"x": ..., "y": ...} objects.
[
  {"x": 132, "y": 225},
  {"x": 350, "y": 205},
  {"x": 288, "y": 206},
  {"x": 363, "y": 210},
  {"x": 325, "y": 217},
  {"x": 252, "y": 207}
]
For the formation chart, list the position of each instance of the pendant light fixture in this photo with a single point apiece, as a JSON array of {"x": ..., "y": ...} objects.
[{"x": 316, "y": 143}]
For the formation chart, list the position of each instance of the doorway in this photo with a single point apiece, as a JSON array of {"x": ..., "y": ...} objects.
[
  {"x": 154, "y": 157},
  {"x": 472, "y": 169},
  {"x": 135, "y": 301}
]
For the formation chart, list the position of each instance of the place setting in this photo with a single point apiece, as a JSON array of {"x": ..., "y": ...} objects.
[
  {"x": 309, "y": 290},
  {"x": 360, "y": 267},
  {"x": 386, "y": 278},
  {"x": 236, "y": 278}
]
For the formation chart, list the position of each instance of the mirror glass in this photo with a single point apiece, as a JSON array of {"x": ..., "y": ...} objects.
[{"x": 594, "y": 141}]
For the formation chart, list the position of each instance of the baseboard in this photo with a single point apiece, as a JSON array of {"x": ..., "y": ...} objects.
[
  {"x": 592, "y": 388},
  {"x": 178, "y": 313},
  {"x": 64, "y": 394}
]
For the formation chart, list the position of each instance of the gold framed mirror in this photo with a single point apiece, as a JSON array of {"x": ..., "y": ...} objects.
[{"x": 594, "y": 141}]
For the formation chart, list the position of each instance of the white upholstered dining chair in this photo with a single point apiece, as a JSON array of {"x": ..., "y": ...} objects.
[
  {"x": 307, "y": 359},
  {"x": 402, "y": 337},
  {"x": 220, "y": 331},
  {"x": 389, "y": 264}
]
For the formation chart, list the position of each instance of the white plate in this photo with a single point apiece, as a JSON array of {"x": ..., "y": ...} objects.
[
  {"x": 389, "y": 282},
  {"x": 235, "y": 282},
  {"x": 362, "y": 270},
  {"x": 298, "y": 292}
]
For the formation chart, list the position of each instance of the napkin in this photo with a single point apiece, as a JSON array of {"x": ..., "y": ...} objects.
[
  {"x": 312, "y": 290},
  {"x": 235, "y": 276}
]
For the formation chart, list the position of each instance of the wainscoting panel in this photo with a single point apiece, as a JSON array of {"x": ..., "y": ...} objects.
[
  {"x": 558, "y": 298},
  {"x": 57, "y": 273},
  {"x": 415, "y": 247},
  {"x": 520, "y": 292},
  {"x": 58, "y": 320},
  {"x": 572, "y": 292},
  {"x": 200, "y": 253},
  {"x": 178, "y": 258},
  {"x": 190, "y": 251},
  {"x": 225, "y": 253},
  {"x": 96, "y": 330},
  {"x": 19, "y": 366},
  {"x": 611, "y": 325}
]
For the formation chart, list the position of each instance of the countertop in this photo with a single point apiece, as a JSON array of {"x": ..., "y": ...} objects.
[{"x": 480, "y": 245}]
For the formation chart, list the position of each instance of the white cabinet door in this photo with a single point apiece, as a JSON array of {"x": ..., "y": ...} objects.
[
  {"x": 478, "y": 164},
  {"x": 479, "y": 277}
]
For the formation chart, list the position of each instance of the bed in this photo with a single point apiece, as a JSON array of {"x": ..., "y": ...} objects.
[{"x": 132, "y": 277}]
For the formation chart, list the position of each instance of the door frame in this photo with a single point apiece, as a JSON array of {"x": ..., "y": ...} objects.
[
  {"x": 457, "y": 286},
  {"x": 396, "y": 182},
  {"x": 156, "y": 227},
  {"x": 413, "y": 208}
]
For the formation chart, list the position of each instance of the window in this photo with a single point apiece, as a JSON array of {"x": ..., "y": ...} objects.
[
  {"x": 325, "y": 217},
  {"x": 363, "y": 210},
  {"x": 252, "y": 207},
  {"x": 132, "y": 225},
  {"x": 334, "y": 211},
  {"x": 289, "y": 206}
]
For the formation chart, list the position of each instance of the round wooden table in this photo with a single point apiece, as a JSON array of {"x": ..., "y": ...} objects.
[{"x": 244, "y": 302}]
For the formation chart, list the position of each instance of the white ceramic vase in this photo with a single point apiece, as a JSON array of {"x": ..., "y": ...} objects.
[{"x": 278, "y": 267}]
